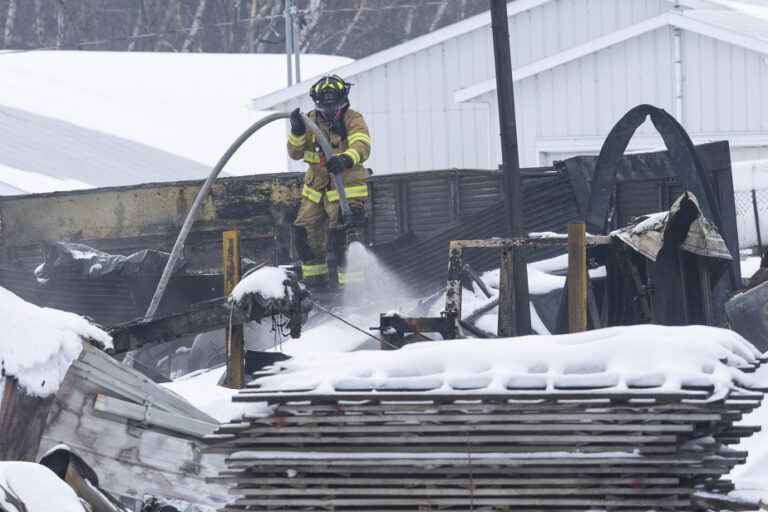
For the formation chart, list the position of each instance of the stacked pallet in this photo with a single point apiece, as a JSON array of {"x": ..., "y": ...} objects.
[{"x": 373, "y": 436}]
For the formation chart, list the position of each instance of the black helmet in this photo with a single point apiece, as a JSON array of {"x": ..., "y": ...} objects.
[{"x": 331, "y": 96}]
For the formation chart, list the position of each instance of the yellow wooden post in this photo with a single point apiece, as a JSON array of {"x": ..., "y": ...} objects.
[
  {"x": 234, "y": 333},
  {"x": 577, "y": 277}
]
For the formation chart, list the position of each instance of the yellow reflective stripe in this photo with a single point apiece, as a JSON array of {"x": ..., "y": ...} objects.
[
  {"x": 353, "y": 154},
  {"x": 313, "y": 195},
  {"x": 297, "y": 140},
  {"x": 314, "y": 270},
  {"x": 311, "y": 157},
  {"x": 359, "y": 136},
  {"x": 355, "y": 191},
  {"x": 351, "y": 277}
]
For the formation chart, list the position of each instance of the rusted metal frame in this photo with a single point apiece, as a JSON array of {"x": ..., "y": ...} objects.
[
  {"x": 499, "y": 243},
  {"x": 417, "y": 325},
  {"x": 453, "y": 290},
  {"x": 577, "y": 277},
  {"x": 235, "y": 337},
  {"x": 201, "y": 317}
]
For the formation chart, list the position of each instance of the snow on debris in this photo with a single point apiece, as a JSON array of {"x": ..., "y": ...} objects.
[
  {"x": 202, "y": 390},
  {"x": 31, "y": 487},
  {"x": 616, "y": 358},
  {"x": 37, "y": 345},
  {"x": 266, "y": 281}
]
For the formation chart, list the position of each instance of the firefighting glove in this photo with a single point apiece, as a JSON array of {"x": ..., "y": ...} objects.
[
  {"x": 338, "y": 163},
  {"x": 297, "y": 123}
]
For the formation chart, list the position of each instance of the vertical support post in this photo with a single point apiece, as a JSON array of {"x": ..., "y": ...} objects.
[
  {"x": 453, "y": 290},
  {"x": 510, "y": 159},
  {"x": 757, "y": 222},
  {"x": 577, "y": 277},
  {"x": 507, "y": 317},
  {"x": 23, "y": 419},
  {"x": 234, "y": 333}
]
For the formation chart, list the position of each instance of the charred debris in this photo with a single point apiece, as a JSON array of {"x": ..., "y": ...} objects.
[{"x": 100, "y": 252}]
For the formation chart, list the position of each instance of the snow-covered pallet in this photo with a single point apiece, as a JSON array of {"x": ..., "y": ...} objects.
[
  {"x": 413, "y": 451},
  {"x": 342, "y": 435}
]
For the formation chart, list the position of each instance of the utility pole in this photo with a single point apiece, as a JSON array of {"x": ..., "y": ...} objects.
[
  {"x": 292, "y": 48},
  {"x": 295, "y": 31},
  {"x": 288, "y": 40},
  {"x": 510, "y": 164}
]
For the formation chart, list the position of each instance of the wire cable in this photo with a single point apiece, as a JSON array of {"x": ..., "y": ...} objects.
[{"x": 350, "y": 324}]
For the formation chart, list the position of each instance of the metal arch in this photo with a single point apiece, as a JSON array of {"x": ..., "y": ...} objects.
[{"x": 681, "y": 152}]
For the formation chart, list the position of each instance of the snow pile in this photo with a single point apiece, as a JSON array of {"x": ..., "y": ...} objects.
[
  {"x": 202, "y": 390},
  {"x": 619, "y": 358},
  {"x": 30, "y": 487},
  {"x": 269, "y": 282},
  {"x": 190, "y": 104},
  {"x": 37, "y": 345}
]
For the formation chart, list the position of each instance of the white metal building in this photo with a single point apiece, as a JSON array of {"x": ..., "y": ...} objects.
[{"x": 579, "y": 65}]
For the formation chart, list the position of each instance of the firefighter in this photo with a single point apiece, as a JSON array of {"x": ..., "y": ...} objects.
[{"x": 347, "y": 132}]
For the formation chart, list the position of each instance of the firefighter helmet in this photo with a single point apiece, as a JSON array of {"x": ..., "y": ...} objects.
[{"x": 331, "y": 96}]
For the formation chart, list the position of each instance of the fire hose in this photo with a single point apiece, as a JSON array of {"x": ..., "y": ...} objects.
[{"x": 202, "y": 195}]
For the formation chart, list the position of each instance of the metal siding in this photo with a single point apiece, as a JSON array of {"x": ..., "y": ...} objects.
[{"x": 726, "y": 87}]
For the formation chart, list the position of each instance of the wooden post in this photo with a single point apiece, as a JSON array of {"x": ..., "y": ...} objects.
[
  {"x": 23, "y": 419},
  {"x": 453, "y": 290},
  {"x": 234, "y": 338},
  {"x": 507, "y": 316},
  {"x": 577, "y": 277}
]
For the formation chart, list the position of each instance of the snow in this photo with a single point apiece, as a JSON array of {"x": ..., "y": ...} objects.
[
  {"x": 610, "y": 357},
  {"x": 37, "y": 345},
  {"x": 751, "y": 479},
  {"x": 37, "y": 487},
  {"x": 266, "y": 281},
  {"x": 202, "y": 390},
  {"x": 749, "y": 266},
  {"x": 190, "y": 104},
  {"x": 34, "y": 182}
]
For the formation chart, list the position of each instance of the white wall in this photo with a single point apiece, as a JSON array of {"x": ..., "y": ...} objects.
[
  {"x": 570, "y": 109},
  {"x": 414, "y": 121}
]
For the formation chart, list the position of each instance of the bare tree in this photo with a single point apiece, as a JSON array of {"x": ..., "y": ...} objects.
[
  {"x": 137, "y": 26},
  {"x": 60, "y": 23},
  {"x": 39, "y": 22},
  {"x": 195, "y": 28},
  {"x": 10, "y": 24},
  {"x": 171, "y": 13},
  {"x": 251, "y": 32}
]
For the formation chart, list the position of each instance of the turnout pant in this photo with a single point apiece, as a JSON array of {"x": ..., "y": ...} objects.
[{"x": 319, "y": 209}]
